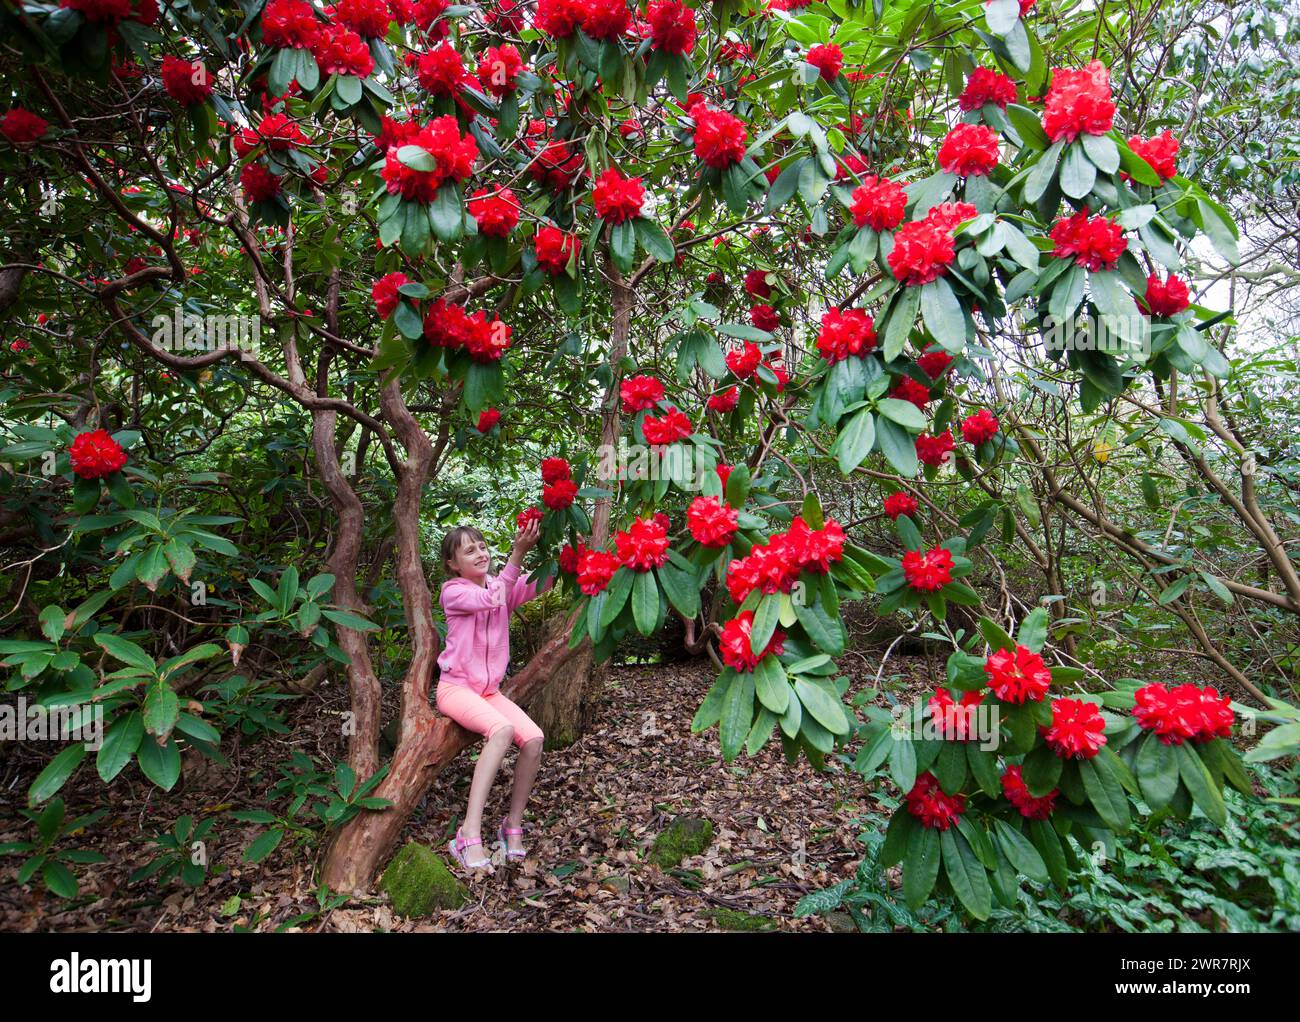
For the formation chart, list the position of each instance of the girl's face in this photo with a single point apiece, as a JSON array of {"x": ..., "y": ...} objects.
[{"x": 471, "y": 560}]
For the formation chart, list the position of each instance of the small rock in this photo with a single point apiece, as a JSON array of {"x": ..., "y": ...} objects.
[
  {"x": 685, "y": 835},
  {"x": 418, "y": 883}
]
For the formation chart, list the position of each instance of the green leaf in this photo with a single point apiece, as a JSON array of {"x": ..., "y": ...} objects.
[
  {"x": 855, "y": 441},
  {"x": 1041, "y": 770},
  {"x": 820, "y": 699},
  {"x": 349, "y": 620},
  {"x": 1078, "y": 173},
  {"x": 1200, "y": 785},
  {"x": 616, "y": 594},
  {"x": 56, "y": 773},
  {"x": 904, "y": 413},
  {"x": 645, "y": 604},
  {"x": 264, "y": 845},
  {"x": 161, "y": 707},
  {"x": 920, "y": 866},
  {"x": 654, "y": 240},
  {"x": 125, "y": 650},
  {"x": 898, "y": 447},
  {"x": 902, "y": 318},
  {"x": 942, "y": 315},
  {"x": 1157, "y": 771},
  {"x": 771, "y": 686},
  {"x": 764, "y": 623},
  {"x": 966, "y": 873},
  {"x": 121, "y": 740},
  {"x": 160, "y": 763},
  {"x": 1020, "y": 852},
  {"x": 1105, "y": 792},
  {"x": 737, "y": 714},
  {"x": 1033, "y": 630},
  {"x": 681, "y": 589}
]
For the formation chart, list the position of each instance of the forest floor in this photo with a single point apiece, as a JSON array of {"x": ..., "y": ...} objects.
[{"x": 780, "y": 830}]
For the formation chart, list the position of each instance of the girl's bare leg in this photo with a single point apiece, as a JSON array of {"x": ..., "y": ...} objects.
[
  {"x": 485, "y": 772},
  {"x": 526, "y": 764}
]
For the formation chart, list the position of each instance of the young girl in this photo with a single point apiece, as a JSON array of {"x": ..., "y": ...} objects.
[{"x": 478, "y": 606}]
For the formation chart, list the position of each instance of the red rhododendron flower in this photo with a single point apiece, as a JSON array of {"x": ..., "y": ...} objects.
[
  {"x": 724, "y": 402},
  {"x": 673, "y": 426},
  {"x": 395, "y": 133},
  {"x": 497, "y": 68},
  {"x": 921, "y": 253},
  {"x": 929, "y": 804},
  {"x": 987, "y": 86},
  {"x": 672, "y": 26},
  {"x": 100, "y": 11},
  {"x": 878, "y": 203},
  {"x": 977, "y": 428},
  {"x": 930, "y": 571},
  {"x": 527, "y": 516},
  {"x": 339, "y": 50},
  {"x": 756, "y": 283},
  {"x": 488, "y": 418},
  {"x": 1165, "y": 299},
  {"x": 95, "y": 454},
  {"x": 454, "y": 154},
  {"x": 506, "y": 15},
  {"x": 558, "y": 18},
  {"x": 1161, "y": 152},
  {"x": 640, "y": 392},
  {"x": 259, "y": 184},
  {"x": 1076, "y": 729},
  {"x": 557, "y": 166},
  {"x": 934, "y": 450},
  {"x": 744, "y": 361},
  {"x": 947, "y": 215},
  {"x": 1017, "y": 677},
  {"x": 290, "y": 25},
  {"x": 427, "y": 16},
  {"x": 486, "y": 340},
  {"x": 630, "y": 128},
  {"x": 554, "y": 469},
  {"x": 19, "y": 346},
  {"x": 617, "y": 198},
  {"x": 724, "y": 473},
  {"x": 719, "y": 137},
  {"x": 907, "y": 389},
  {"x": 553, "y": 248},
  {"x": 1078, "y": 103},
  {"x": 495, "y": 210},
  {"x": 732, "y": 50},
  {"x": 764, "y": 317},
  {"x": 446, "y": 324},
  {"x": 767, "y": 566},
  {"x": 280, "y": 133},
  {"x": 969, "y": 150},
  {"x": 441, "y": 71},
  {"x": 844, "y": 333},
  {"x": 187, "y": 83},
  {"x": 711, "y": 522},
  {"x": 22, "y": 126},
  {"x": 385, "y": 293},
  {"x": 1186, "y": 712},
  {"x": 605, "y": 19},
  {"x": 734, "y": 643},
  {"x": 900, "y": 503},
  {"x": 955, "y": 722},
  {"x": 570, "y": 556},
  {"x": 643, "y": 546},
  {"x": 851, "y": 165},
  {"x": 810, "y": 549},
  {"x": 595, "y": 569},
  {"x": 559, "y": 494},
  {"x": 934, "y": 362},
  {"x": 369, "y": 18},
  {"x": 1017, "y": 793},
  {"x": 827, "y": 58},
  {"x": 1093, "y": 241}
]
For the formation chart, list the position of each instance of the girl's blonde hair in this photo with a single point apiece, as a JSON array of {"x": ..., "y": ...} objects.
[{"x": 452, "y": 542}]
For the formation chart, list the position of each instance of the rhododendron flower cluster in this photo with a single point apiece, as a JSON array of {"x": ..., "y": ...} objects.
[
  {"x": 557, "y": 166},
  {"x": 969, "y": 150},
  {"x": 280, "y": 133},
  {"x": 745, "y": 360},
  {"x": 672, "y": 26},
  {"x": 1183, "y": 712},
  {"x": 764, "y": 317},
  {"x": 448, "y": 325},
  {"x": 922, "y": 252},
  {"x": 774, "y": 566},
  {"x": 934, "y": 450},
  {"x": 644, "y": 545},
  {"x": 947, "y": 215},
  {"x": 878, "y": 203},
  {"x": 930, "y": 571},
  {"x": 95, "y": 454},
  {"x": 987, "y": 86},
  {"x": 23, "y": 127},
  {"x": 1076, "y": 729},
  {"x": 495, "y": 210},
  {"x": 605, "y": 19},
  {"x": 672, "y": 426},
  {"x": 571, "y": 556},
  {"x": 719, "y": 137},
  {"x": 1167, "y": 298},
  {"x": 488, "y": 418},
  {"x": 724, "y": 402},
  {"x": 553, "y": 248},
  {"x": 844, "y": 333},
  {"x": 595, "y": 569},
  {"x": 1017, "y": 793},
  {"x": 340, "y": 51},
  {"x": 259, "y": 184},
  {"x": 441, "y": 72},
  {"x": 756, "y": 283},
  {"x": 617, "y": 198},
  {"x": 498, "y": 67},
  {"x": 527, "y": 516},
  {"x": 1160, "y": 152},
  {"x": 385, "y": 293},
  {"x": 289, "y": 25},
  {"x": 900, "y": 503},
  {"x": 928, "y": 802},
  {"x": 1093, "y": 241},
  {"x": 907, "y": 389},
  {"x": 558, "y": 487},
  {"x": 187, "y": 83},
  {"x": 1078, "y": 103},
  {"x": 639, "y": 393},
  {"x": 955, "y": 721},
  {"x": 453, "y": 153},
  {"x": 827, "y": 58},
  {"x": 369, "y": 18},
  {"x": 1017, "y": 676},
  {"x": 979, "y": 428},
  {"x": 934, "y": 362},
  {"x": 712, "y": 523},
  {"x": 734, "y": 643}
]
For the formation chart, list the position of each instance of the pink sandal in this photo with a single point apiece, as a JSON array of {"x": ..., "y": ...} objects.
[
  {"x": 457, "y": 849},
  {"x": 502, "y": 832}
]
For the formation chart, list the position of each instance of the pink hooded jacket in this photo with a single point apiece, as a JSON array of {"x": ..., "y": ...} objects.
[{"x": 478, "y": 627}]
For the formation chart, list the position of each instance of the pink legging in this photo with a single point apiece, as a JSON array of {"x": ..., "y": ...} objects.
[{"x": 485, "y": 715}]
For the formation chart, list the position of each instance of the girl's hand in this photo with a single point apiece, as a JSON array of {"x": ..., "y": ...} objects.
[{"x": 527, "y": 537}]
